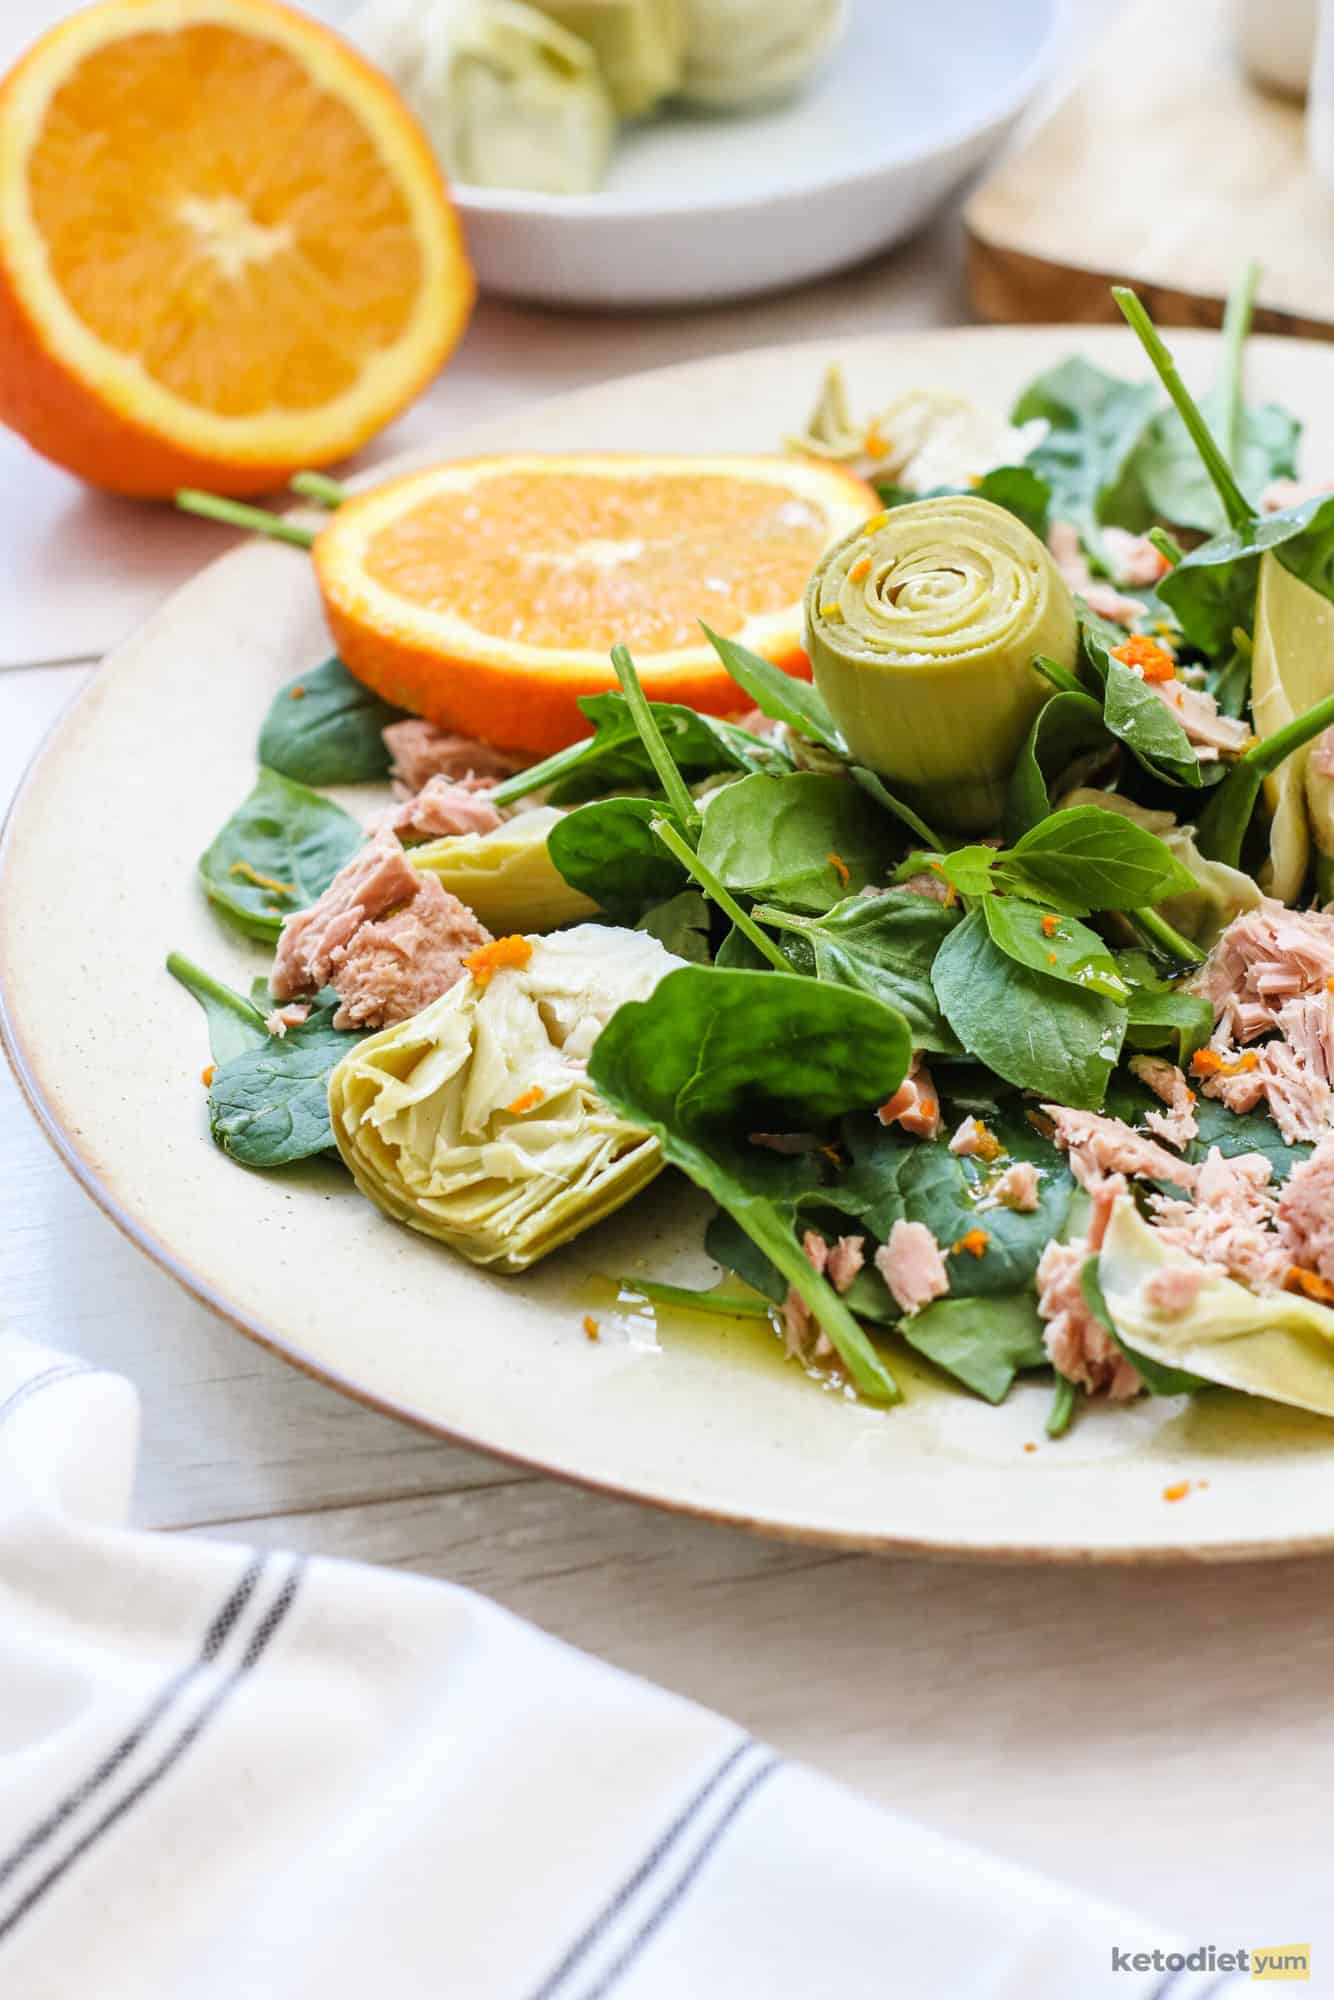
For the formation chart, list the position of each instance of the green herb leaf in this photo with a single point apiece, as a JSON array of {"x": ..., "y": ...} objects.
[
  {"x": 234, "y": 1023},
  {"x": 884, "y": 945},
  {"x": 277, "y": 853},
  {"x": 983, "y": 1343},
  {"x": 1085, "y": 859},
  {"x": 609, "y": 851},
  {"x": 1059, "y": 946},
  {"x": 681, "y": 925},
  {"x": 969, "y": 870},
  {"x": 326, "y": 728},
  {"x": 1036, "y": 1032},
  {"x": 1096, "y": 423},
  {"x": 1069, "y": 726},
  {"x": 1021, "y": 491},
  {"x": 778, "y": 695},
  {"x": 613, "y": 758},
  {"x": 713, "y": 1056},
  {"x": 269, "y": 1106},
  {"x": 782, "y": 840}
]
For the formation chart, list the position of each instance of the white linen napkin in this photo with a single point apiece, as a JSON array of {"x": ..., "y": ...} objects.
[{"x": 226, "y": 1775}]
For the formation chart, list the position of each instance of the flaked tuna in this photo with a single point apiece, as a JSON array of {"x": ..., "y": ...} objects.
[
  {"x": 973, "y": 1141},
  {"x": 1099, "y": 1146},
  {"x": 314, "y": 941},
  {"x": 421, "y": 752},
  {"x": 445, "y": 806},
  {"x": 1135, "y": 560},
  {"x": 294, "y": 1015},
  {"x": 1210, "y": 733},
  {"x": 1080, "y": 1347},
  {"x": 846, "y": 1259},
  {"x": 1102, "y": 598},
  {"x": 1175, "y": 1288},
  {"x": 1270, "y": 973},
  {"x": 1306, "y": 1213},
  {"x": 934, "y": 887},
  {"x": 1177, "y": 1125},
  {"x": 390, "y": 970},
  {"x": 912, "y": 1266},
  {"x": 1017, "y": 1188},
  {"x": 839, "y": 1262},
  {"x": 1230, "y": 1221},
  {"x": 915, "y": 1105}
]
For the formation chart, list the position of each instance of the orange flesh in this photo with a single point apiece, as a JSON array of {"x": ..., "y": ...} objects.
[
  {"x": 612, "y": 560},
  {"x": 245, "y": 278}
]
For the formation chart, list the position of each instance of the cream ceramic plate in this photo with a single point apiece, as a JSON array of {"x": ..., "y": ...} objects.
[{"x": 96, "y": 885}]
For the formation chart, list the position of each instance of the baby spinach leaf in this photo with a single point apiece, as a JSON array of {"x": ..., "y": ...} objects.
[
  {"x": 234, "y": 1023},
  {"x": 1211, "y": 592},
  {"x": 1036, "y": 1032},
  {"x": 779, "y": 695},
  {"x": 1020, "y": 490},
  {"x": 1139, "y": 718},
  {"x": 613, "y": 758},
  {"x": 1085, "y": 858},
  {"x": 1176, "y": 1023},
  {"x": 885, "y": 945},
  {"x": 269, "y": 1106},
  {"x": 1226, "y": 818},
  {"x": 712, "y": 1056},
  {"x": 681, "y": 925},
  {"x": 277, "y": 853},
  {"x": 325, "y": 728},
  {"x": 875, "y": 788},
  {"x": 1069, "y": 726},
  {"x": 1243, "y": 1132},
  {"x": 803, "y": 840},
  {"x": 1059, "y": 946},
  {"x": 609, "y": 851},
  {"x": 1176, "y": 485},
  {"x": 983, "y": 1343},
  {"x": 1158, "y": 1378},
  {"x": 1096, "y": 422}
]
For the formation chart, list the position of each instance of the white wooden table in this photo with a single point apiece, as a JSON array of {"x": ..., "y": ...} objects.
[{"x": 1163, "y": 1736}]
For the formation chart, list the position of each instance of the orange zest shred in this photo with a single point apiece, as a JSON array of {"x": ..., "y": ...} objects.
[
  {"x": 592, "y": 1331},
  {"x": 1310, "y": 1284},
  {"x": 832, "y": 613},
  {"x": 860, "y": 570},
  {"x": 206, "y": 1076},
  {"x": 833, "y": 1155},
  {"x": 875, "y": 444},
  {"x": 840, "y": 868},
  {"x": 528, "y": 1101},
  {"x": 986, "y": 1146},
  {"x": 1329, "y": 983},
  {"x": 496, "y": 956},
  {"x": 1030, "y": 1447},
  {"x": 1050, "y": 925},
  {"x": 1053, "y": 958},
  {"x": 1177, "y": 1491},
  {"x": 974, "y": 1242},
  {"x": 296, "y": 693},
  {"x": 250, "y": 874},
  {"x": 876, "y": 522},
  {"x": 1155, "y": 661},
  {"x": 1208, "y": 1062}
]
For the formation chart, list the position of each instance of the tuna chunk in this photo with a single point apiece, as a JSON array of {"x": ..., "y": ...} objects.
[
  {"x": 392, "y": 969},
  {"x": 912, "y": 1266},
  {"x": 295, "y": 1015},
  {"x": 1322, "y": 754},
  {"x": 1306, "y": 1213},
  {"x": 915, "y": 1105},
  {"x": 314, "y": 941},
  {"x": 421, "y": 752},
  {"x": 1135, "y": 561},
  {"x": 1265, "y": 957},
  {"x": 1281, "y": 493},
  {"x": 1178, "y": 1125},
  {"x": 1017, "y": 1188},
  {"x": 973, "y": 1141},
  {"x": 840, "y": 1263},
  {"x": 1079, "y": 1345},
  {"x": 934, "y": 887},
  {"x": 1210, "y": 731},
  {"x": 1229, "y": 1221},
  {"x": 1100, "y": 1146},
  {"x": 1175, "y": 1288},
  {"x": 845, "y": 1261},
  {"x": 445, "y": 806},
  {"x": 1102, "y": 598}
]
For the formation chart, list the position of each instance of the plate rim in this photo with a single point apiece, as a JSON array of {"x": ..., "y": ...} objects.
[{"x": 41, "y": 1100}]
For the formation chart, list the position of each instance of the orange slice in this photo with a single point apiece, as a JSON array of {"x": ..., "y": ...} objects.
[
  {"x": 225, "y": 247},
  {"x": 487, "y": 594}
]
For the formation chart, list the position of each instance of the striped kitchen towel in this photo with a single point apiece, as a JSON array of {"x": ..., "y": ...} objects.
[{"x": 234, "y": 1776}]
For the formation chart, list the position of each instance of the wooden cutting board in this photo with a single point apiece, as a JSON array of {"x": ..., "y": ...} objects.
[{"x": 1165, "y": 168}]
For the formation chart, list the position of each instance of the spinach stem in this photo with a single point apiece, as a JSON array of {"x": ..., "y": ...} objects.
[
  {"x": 235, "y": 514},
  {"x": 1062, "y": 1408},
  {"x": 730, "y": 1305},
  {"x": 1059, "y": 676},
  {"x": 1236, "y": 506},
  {"x": 1168, "y": 547},
  {"x": 196, "y": 981},
  {"x": 1156, "y": 930},
  {"x": 727, "y": 903},
  {"x": 1236, "y": 325},
  {"x": 537, "y": 775},
  {"x": 669, "y": 777},
  {"x": 869, "y": 1374},
  {"x": 876, "y": 789},
  {"x": 318, "y": 486}
]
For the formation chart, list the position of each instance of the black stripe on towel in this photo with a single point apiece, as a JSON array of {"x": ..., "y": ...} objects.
[
  {"x": 258, "y": 1643},
  {"x": 59, "y": 1371},
  {"x": 633, "y": 1882},
  {"x": 680, "y": 1888},
  {"x": 162, "y": 1702}
]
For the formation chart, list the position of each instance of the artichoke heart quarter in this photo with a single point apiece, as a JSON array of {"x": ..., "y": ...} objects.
[
  {"x": 922, "y": 628},
  {"x": 475, "y": 1121},
  {"x": 640, "y": 45},
  {"x": 507, "y": 877}
]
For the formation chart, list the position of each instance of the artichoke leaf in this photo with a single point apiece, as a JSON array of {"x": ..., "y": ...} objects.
[
  {"x": 475, "y": 1121},
  {"x": 507, "y": 877},
  {"x": 1279, "y": 1345},
  {"x": 1292, "y": 669}
]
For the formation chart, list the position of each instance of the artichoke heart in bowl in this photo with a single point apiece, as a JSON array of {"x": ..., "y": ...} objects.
[
  {"x": 475, "y": 1122},
  {"x": 922, "y": 628}
]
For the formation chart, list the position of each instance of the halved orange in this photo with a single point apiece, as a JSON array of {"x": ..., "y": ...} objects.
[
  {"x": 487, "y": 594},
  {"x": 225, "y": 247}
]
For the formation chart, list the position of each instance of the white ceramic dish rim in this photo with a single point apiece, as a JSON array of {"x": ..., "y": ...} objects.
[{"x": 571, "y": 208}]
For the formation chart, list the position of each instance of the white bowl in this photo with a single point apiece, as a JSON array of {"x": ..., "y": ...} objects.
[{"x": 700, "y": 207}]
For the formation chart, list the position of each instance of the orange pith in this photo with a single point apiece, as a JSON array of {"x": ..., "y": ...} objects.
[
  {"x": 594, "y": 563},
  {"x": 225, "y": 249},
  {"x": 487, "y": 594}
]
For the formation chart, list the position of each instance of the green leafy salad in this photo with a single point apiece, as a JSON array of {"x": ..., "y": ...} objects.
[{"x": 984, "y": 983}]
